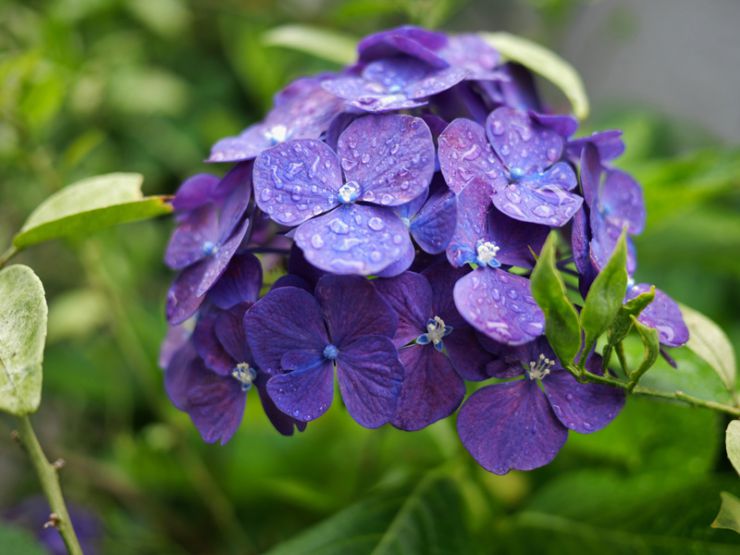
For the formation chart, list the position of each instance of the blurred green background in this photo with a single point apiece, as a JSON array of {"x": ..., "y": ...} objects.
[{"x": 94, "y": 86}]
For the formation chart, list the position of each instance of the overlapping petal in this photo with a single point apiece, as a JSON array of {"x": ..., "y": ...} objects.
[{"x": 663, "y": 314}]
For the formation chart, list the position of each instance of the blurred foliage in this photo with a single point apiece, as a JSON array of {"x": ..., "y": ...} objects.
[{"x": 95, "y": 86}]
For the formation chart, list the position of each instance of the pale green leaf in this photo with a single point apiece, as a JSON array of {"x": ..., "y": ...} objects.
[
  {"x": 708, "y": 341},
  {"x": 23, "y": 316},
  {"x": 562, "y": 327},
  {"x": 732, "y": 444},
  {"x": 651, "y": 349},
  {"x": 546, "y": 63},
  {"x": 328, "y": 45},
  {"x": 90, "y": 205},
  {"x": 729, "y": 513}
]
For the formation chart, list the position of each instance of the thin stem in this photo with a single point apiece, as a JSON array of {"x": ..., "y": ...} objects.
[
  {"x": 686, "y": 398},
  {"x": 49, "y": 479},
  {"x": 7, "y": 255}
]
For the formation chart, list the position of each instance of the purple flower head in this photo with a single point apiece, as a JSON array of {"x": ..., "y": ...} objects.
[
  {"x": 210, "y": 229},
  {"x": 436, "y": 346},
  {"x": 517, "y": 425},
  {"x": 302, "y": 338},
  {"x": 609, "y": 145},
  {"x": 341, "y": 202},
  {"x": 303, "y": 110}
]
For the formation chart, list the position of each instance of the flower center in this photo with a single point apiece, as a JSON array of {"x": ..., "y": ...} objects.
[
  {"x": 436, "y": 330},
  {"x": 331, "y": 352},
  {"x": 349, "y": 192},
  {"x": 540, "y": 368},
  {"x": 486, "y": 252},
  {"x": 209, "y": 248},
  {"x": 516, "y": 173},
  {"x": 245, "y": 375},
  {"x": 277, "y": 134}
]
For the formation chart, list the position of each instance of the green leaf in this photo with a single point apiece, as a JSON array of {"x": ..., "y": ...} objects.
[
  {"x": 732, "y": 444},
  {"x": 430, "y": 520},
  {"x": 623, "y": 321},
  {"x": 328, "y": 45},
  {"x": 729, "y": 513},
  {"x": 23, "y": 315},
  {"x": 19, "y": 542},
  {"x": 651, "y": 344},
  {"x": 562, "y": 327},
  {"x": 90, "y": 205},
  {"x": 546, "y": 63},
  {"x": 708, "y": 341},
  {"x": 606, "y": 295}
]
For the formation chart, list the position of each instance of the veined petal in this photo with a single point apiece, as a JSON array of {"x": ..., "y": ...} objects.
[
  {"x": 297, "y": 180},
  {"x": 303, "y": 394},
  {"x": 215, "y": 264},
  {"x": 229, "y": 330},
  {"x": 241, "y": 282},
  {"x": 193, "y": 237},
  {"x": 410, "y": 297},
  {"x": 435, "y": 223},
  {"x": 515, "y": 239},
  {"x": 195, "y": 191},
  {"x": 510, "y": 426},
  {"x": 207, "y": 345},
  {"x": 473, "y": 206},
  {"x": 354, "y": 239},
  {"x": 370, "y": 377},
  {"x": 391, "y": 157},
  {"x": 500, "y": 305},
  {"x": 620, "y": 201},
  {"x": 285, "y": 319},
  {"x": 407, "y": 39},
  {"x": 431, "y": 390}
]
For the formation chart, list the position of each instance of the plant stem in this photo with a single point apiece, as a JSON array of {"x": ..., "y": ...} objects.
[
  {"x": 7, "y": 255},
  {"x": 49, "y": 479},
  {"x": 689, "y": 399}
]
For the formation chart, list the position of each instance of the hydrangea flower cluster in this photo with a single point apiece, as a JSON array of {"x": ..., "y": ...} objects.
[{"x": 405, "y": 199}]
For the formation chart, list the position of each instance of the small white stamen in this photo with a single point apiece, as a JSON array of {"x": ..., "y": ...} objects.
[
  {"x": 486, "y": 252},
  {"x": 348, "y": 192},
  {"x": 540, "y": 368},
  {"x": 436, "y": 330},
  {"x": 245, "y": 375},
  {"x": 277, "y": 134}
]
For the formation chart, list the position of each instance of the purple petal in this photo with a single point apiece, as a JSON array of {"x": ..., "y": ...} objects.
[
  {"x": 195, "y": 191},
  {"x": 580, "y": 240},
  {"x": 590, "y": 173},
  {"x": 303, "y": 110},
  {"x": 466, "y": 354},
  {"x": 541, "y": 198},
  {"x": 175, "y": 339},
  {"x": 301, "y": 359},
  {"x": 292, "y": 280},
  {"x": 499, "y": 305},
  {"x": 473, "y": 206},
  {"x": 518, "y": 89},
  {"x": 208, "y": 347},
  {"x": 608, "y": 143},
  {"x": 193, "y": 237},
  {"x": 354, "y": 239},
  {"x": 471, "y": 53},
  {"x": 241, "y": 282},
  {"x": 370, "y": 378},
  {"x": 297, "y": 180},
  {"x": 410, "y": 297},
  {"x": 298, "y": 265},
  {"x": 303, "y": 394},
  {"x": 563, "y": 125},
  {"x": 401, "y": 265},
  {"x": 229, "y": 330},
  {"x": 412, "y": 41},
  {"x": 662, "y": 314},
  {"x": 442, "y": 278},
  {"x": 516, "y": 239},
  {"x": 353, "y": 308},
  {"x": 465, "y": 157},
  {"x": 281, "y": 422},
  {"x": 510, "y": 426},
  {"x": 523, "y": 145},
  {"x": 182, "y": 299},
  {"x": 391, "y": 157},
  {"x": 284, "y": 320},
  {"x": 176, "y": 375},
  {"x": 621, "y": 203},
  {"x": 434, "y": 225},
  {"x": 431, "y": 390},
  {"x": 215, "y": 265},
  {"x": 236, "y": 191},
  {"x": 583, "y": 408},
  {"x": 215, "y": 403},
  {"x": 605, "y": 237}
]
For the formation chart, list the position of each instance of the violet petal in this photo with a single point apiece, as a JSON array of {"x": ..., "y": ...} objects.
[
  {"x": 241, "y": 282},
  {"x": 664, "y": 315},
  {"x": 303, "y": 394},
  {"x": 410, "y": 297}
]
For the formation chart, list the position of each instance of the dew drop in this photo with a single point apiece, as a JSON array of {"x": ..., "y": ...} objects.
[
  {"x": 317, "y": 241},
  {"x": 375, "y": 223}
]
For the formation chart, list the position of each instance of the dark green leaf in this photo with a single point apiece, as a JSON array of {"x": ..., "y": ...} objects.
[
  {"x": 606, "y": 295},
  {"x": 729, "y": 513},
  {"x": 328, "y": 45},
  {"x": 623, "y": 321},
  {"x": 708, "y": 341},
  {"x": 732, "y": 444},
  {"x": 562, "y": 327},
  {"x": 23, "y": 316},
  {"x": 546, "y": 63},
  {"x": 651, "y": 345},
  {"x": 18, "y": 542},
  {"x": 430, "y": 520},
  {"x": 90, "y": 205}
]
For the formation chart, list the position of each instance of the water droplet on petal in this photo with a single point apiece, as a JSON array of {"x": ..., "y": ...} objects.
[
  {"x": 317, "y": 241},
  {"x": 375, "y": 223}
]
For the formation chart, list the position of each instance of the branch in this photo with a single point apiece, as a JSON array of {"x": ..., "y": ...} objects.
[
  {"x": 49, "y": 478},
  {"x": 7, "y": 255}
]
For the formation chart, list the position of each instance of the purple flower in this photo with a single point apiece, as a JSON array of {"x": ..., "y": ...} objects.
[
  {"x": 302, "y": 339},
  {"x": 211, "y": 227},
  {"x": 303, "y": 110},
  {"x": 522, "y": 424},
  {"x": 437, "y": 348},
  {"x": 209, "y": 378},
  {"x": 663, "y": 314},
  {"x": 341, "y": 202}
]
